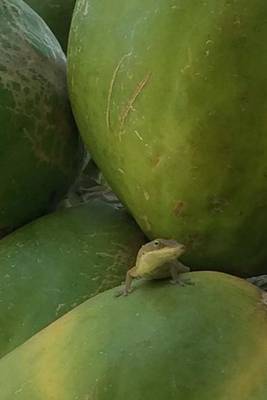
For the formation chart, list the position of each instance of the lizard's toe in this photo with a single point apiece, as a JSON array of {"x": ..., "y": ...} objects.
[
  {"x": 119, "y": 293},
  {"x": 127, "y": 291},
  {"x": 188, "y": 282},
  {"x": 177, "y": 282}
]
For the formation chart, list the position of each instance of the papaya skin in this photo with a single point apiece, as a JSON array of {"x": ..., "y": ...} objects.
[
  {"x": 58, "y": 261},
  {"x": 175, "y": 119},
  {"x": 199, "y": 342}
]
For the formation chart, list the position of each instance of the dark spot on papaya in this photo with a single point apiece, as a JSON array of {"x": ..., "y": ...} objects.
[
  {"x": 193, "y": 241},
  {"x": 16, "y": 86},
  {"x": 217, "y": 204},
  {"x": 156, "y": 161},
  {"x": 179, "y": 208},
  {"x": 15, "y": 47}
]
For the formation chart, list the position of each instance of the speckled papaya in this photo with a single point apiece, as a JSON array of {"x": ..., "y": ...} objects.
[
  {"x": 40, "y": 149},
  {"x": 170, "y": 98}
]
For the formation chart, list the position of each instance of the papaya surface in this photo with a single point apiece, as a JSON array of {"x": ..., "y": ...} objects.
[
  {"x": 57, "y": 14},
  {"x": 40, "y": 149},
  {"x": 170, "y": 98},
  {"x": 200, "y": 342},
  {"x": 58, "y": 261}
]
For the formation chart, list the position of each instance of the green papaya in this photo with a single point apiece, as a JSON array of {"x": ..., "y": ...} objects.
[
  {"x": 57, "y": 14},
  {"x": 200, "y": 342},
  {"x": 170, "y": 98},
  {"x": 58, "y": 261},
  {"x": 40, "y": 149}
]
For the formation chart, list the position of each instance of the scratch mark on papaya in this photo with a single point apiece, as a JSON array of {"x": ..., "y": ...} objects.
[
  {"x": 147, "y": 196},
  {"x": 189, "y": 61},
  {"x": 138, "y": 135},
  {"x": 147, "y": 223},
  {"x": 129, "y": 106},
  {"x": 58, "y": 309},
  {"x": 111, "y": 87},
  {"x": 103, "y": 254},
  {"x": 156, "y": 161}
]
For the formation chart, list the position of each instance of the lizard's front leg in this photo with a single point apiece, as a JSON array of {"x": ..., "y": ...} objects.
[
  {"x": 130, "y": 275},
  {"x": 128, "y": 283}
]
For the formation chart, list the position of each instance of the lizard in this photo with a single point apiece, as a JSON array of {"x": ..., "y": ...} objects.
[{"x": 157, "y": 260}]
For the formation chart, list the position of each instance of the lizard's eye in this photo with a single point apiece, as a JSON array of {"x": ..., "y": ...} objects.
[{"x": 156, "y": 243}]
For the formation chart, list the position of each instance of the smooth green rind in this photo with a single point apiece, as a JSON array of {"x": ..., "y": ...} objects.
[
  {"x": 57, "y": 14},
  {"x": 201, "y": 342},
  {"x": 40, "y": 150},
  {"x": 170, "y": 98},
  {"x": 55, "y": 263}
]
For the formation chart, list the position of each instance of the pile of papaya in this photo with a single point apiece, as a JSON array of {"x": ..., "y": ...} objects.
[{"x": 133, "y": 200}]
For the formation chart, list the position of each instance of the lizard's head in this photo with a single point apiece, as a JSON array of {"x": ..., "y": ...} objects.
[{"x": 160, "y": 251}]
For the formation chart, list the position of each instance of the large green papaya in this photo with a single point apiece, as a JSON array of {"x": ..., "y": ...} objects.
[
  {"x": 170, "y": 97},
  {"x": 40, "y": 150},
  {"x": 201, "y": 342},
  {"x": 57, "y": 262},
  {"x": 57, "y": 14}
]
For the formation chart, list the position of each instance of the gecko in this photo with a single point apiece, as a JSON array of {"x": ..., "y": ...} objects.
[{"x": 157, "y": 259}]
